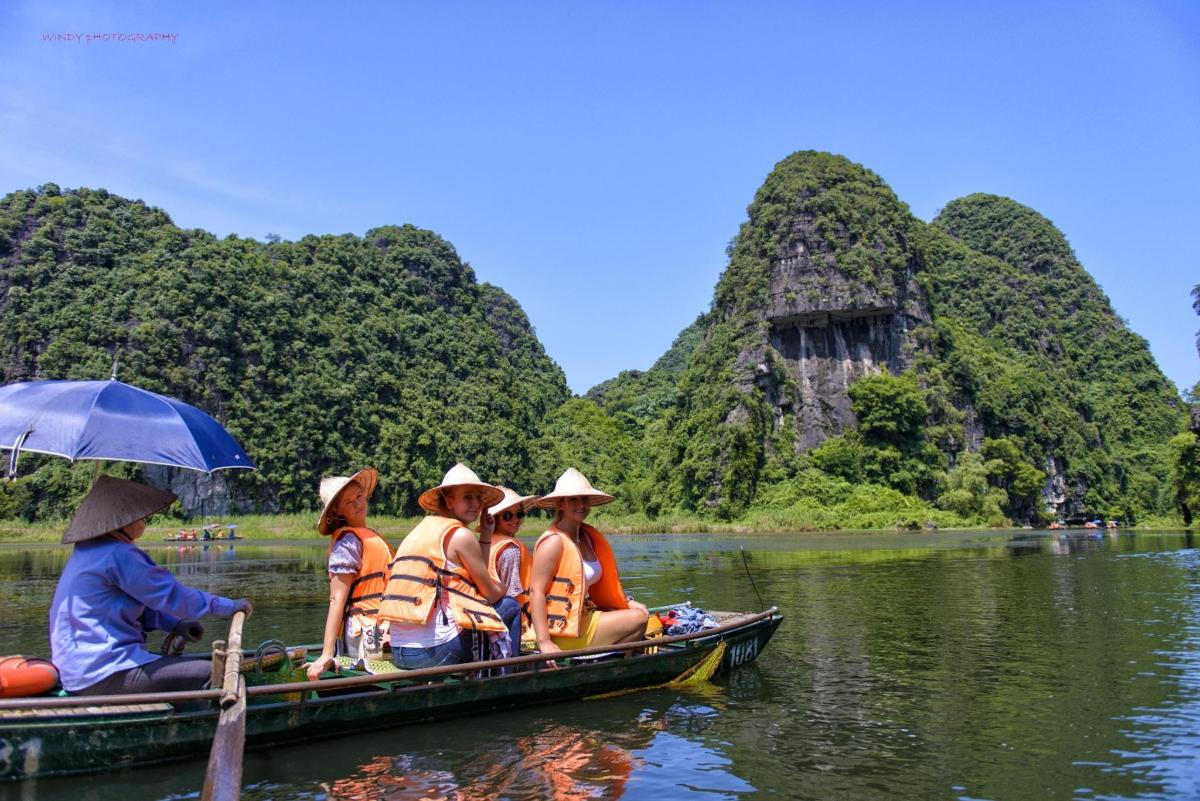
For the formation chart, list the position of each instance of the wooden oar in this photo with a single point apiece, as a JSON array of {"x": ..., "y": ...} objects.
[{"x": 223, "y": 779}]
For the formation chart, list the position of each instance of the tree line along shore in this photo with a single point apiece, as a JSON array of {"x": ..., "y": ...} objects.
[
  {"x": 858, "y": 368},
  {"x": 260, "y": 529}
]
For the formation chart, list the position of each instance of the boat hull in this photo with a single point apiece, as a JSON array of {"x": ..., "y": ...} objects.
[{"x": 42, "y": 744}]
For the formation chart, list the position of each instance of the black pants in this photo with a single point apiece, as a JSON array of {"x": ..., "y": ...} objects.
[{"x": 165, "y": 674}]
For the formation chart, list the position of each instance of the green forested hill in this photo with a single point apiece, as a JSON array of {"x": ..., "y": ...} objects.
[
  {"x": 1073, "y": 387},
  {"x": 320, "y": 355},
  {"x": 971, "y": 362},
  {"x": 857, "y": 367}
]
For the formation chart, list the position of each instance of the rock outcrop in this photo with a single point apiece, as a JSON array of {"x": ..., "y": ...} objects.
[
  {"x": 831, "y": 330},
  {"x": 838, "y": 263},
  {"x": 831, "y": 279}
]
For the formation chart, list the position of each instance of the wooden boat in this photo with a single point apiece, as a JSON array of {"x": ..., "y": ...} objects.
[
  {"x": 201, "y": 540},
  {"x": 58, "y": 736},
  {"x": 210, "y": 533}
]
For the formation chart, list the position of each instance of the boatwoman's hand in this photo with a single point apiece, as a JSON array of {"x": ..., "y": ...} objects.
[
  {"x": 243, "y": 605},
  {"x": 189, "y": 629},
  {"x": 317, "y": 666}
]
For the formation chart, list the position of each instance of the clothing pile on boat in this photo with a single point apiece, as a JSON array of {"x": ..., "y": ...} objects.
[{"x": 685, "y": 620}]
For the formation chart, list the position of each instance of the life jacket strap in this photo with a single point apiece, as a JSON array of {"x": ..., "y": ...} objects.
[
  {"x": 368, "y": 577},
  {"x": 428, "y": 582},
  {"x": 412, "y": 599}
]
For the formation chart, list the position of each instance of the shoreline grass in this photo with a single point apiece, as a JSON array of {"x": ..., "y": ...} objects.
[{"x": 302, "y": 527}]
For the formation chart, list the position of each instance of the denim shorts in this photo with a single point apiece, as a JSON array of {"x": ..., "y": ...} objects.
[{"x": 454, "y": 652}]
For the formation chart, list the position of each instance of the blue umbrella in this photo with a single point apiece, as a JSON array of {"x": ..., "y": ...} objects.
[{"x": 111, "y": 420}]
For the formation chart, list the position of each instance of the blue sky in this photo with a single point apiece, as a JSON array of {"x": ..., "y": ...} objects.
[{"x": 594, "y": 158}]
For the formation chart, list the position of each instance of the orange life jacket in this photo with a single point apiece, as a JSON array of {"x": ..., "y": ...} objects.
[
  {"x": 366, "y": 592},
  {"x": 419, "y": 576},
  {"x": 500, "y": 543},
  {"x": 567, "y": 590}
]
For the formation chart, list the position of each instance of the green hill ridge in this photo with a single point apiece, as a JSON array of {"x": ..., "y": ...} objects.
[
  {"x": 970, "y": 362},
  {"x": 857, "y": 367},
  {"x": 319, "y": 355}
]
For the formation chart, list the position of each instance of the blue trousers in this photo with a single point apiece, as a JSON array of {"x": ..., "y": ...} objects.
[
  {"x": 458, "y": 650},
  {"x": 454, "y": 652},
  {"x": 510, "y": 612}
]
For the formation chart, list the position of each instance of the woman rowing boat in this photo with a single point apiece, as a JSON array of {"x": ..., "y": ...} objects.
[{"x": 111, "y": 593}]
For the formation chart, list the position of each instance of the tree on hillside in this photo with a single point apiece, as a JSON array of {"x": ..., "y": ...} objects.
[
  {"x": 1185, "y": 449},
  {"x": 1196, "y": 308},
  {"x": 889, "y": 446}
]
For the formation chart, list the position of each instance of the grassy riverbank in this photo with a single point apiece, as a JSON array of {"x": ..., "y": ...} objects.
[
  {"x": 264, "y": 528},
  {"x": 301, "y": 527}
]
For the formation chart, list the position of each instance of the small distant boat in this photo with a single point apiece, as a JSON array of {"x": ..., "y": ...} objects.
[{"x": 213, "y": 532}]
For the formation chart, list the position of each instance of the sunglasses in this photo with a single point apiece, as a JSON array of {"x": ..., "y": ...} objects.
[{"x": 506, "y": 516}]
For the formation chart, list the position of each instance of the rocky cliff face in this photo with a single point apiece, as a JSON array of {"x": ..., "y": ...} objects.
[
  {"x": 824, "y": 272},
  {"x": 830, "y": 329},
  {"x": 832, "y": 279}
]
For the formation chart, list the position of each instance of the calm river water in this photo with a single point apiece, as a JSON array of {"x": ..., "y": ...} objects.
[{"x": 992, "y": 665}]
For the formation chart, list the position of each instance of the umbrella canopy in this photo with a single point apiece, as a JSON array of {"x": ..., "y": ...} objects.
[{"x": 111, "y": 420}]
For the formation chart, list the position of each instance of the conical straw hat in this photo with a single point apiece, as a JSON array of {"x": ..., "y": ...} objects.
[
  {"x": 511, "y": 498},
  {"x": 458, "y": 476},
  {"x": 573, "y": 484},
  {"x": 112, "y": 503},
  {"x": 367, "y": 478}
]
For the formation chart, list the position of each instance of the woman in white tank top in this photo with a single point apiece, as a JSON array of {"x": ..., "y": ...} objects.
[{"x": 439, "y": 641}]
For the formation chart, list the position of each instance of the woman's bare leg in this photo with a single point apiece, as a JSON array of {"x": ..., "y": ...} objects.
[{"x": 620, "y": 625}]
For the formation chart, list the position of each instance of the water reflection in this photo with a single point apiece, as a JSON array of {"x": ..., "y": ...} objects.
[
  {"x": 560, "y": 763},
  {"x": 634, "y": 750},
  {"x": 1005, "y": 665}
]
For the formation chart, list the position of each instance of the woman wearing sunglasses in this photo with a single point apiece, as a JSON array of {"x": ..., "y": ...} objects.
[{"x": 508, "y": 559}]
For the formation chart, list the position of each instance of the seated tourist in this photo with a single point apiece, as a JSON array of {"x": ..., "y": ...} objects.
[
  {"x": 358, "y": 570},
  {"x": 575, "y": 595},
  {"x": 508, "y": 559},
  {"x": 439, "y": 592}
]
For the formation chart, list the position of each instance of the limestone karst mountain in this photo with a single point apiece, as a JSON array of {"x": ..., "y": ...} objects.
[
  {"x": 320, "y": 355},
  {"x": 852, "y": 353},
  {"x": 1015, "y": 350}
]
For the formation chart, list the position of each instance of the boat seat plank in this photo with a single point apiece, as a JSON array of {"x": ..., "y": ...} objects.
[{"x": 86, "y": 711}]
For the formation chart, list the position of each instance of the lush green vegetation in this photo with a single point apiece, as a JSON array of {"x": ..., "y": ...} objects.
[
  {"x": 319, "y": 355},
  {"x": 337, "y": 351},
  {"x": 1185, "y": 449},
  {"x": 1024, "y": 382}
]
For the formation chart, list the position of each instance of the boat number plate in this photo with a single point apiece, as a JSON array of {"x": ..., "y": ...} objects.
[
  {"x": 743, "y": 652},
  {"x": 20, "y": 759}
]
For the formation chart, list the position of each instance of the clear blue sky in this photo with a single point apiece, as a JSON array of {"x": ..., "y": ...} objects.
[{"x": 594, "y": 158}]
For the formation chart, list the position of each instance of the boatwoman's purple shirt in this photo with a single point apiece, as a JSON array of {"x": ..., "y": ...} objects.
[{"x": 110, "y": 594}]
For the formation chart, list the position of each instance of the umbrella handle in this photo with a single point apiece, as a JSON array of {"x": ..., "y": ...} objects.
[{"x": 16, "y": 453}]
